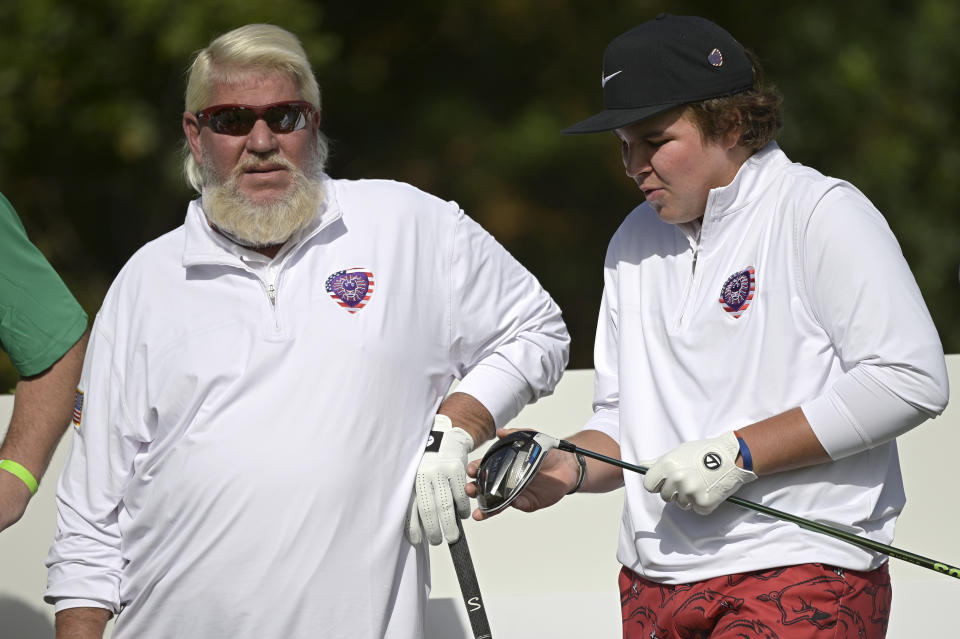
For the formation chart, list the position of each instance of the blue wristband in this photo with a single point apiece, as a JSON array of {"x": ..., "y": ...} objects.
[{"x": 745, "y": 454}]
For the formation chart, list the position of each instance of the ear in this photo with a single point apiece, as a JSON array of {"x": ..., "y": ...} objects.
[
  {"x": 191, "y": 129},
  {"x": 732, "y": 137}
]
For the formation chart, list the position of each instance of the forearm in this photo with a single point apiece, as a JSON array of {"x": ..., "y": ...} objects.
[
  {"x": 469, "y": 414},
  {"x": 42, "y": 409},
  {"x": 82, "y": 623},
  {"x": 601, "y": 477},
  {"x": 782, "y": 442}
]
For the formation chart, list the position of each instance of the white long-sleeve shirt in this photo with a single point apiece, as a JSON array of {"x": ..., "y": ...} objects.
[
  {"x": 792, "y": 292},
  {"x": 250, "y": 433}
]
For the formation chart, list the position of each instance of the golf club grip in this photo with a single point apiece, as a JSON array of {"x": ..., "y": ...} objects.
[
  {"x": 460, "y": 553},
  {"x": 836, "y": 533}
]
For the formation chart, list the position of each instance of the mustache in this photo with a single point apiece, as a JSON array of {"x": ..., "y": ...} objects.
[{"x": 251, "y": 162}]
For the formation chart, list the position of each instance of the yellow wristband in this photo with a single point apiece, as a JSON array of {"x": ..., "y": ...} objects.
[{"x": 25, "y": 475}]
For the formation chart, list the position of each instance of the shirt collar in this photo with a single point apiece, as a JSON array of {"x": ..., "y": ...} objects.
[{"x": 751, "y": 180}]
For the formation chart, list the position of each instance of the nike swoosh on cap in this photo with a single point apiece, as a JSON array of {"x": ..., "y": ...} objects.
[{"x": 605, "y": 79}]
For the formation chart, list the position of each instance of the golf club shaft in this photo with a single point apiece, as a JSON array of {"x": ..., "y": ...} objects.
[
  {"x": 836, "y": 533},
  {"x": 469, "y": 587}
]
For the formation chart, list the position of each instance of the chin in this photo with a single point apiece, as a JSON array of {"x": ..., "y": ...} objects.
[
  {"x": 266, "y": 197},
  {"x": 266, "y": 190},
  {"x": 673, "y": 217},
  {"x": 665, "y": 215}
]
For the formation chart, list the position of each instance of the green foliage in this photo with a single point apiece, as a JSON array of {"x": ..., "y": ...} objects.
[{"x": 466, "y": 100}]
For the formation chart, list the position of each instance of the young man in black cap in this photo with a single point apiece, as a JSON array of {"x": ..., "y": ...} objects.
[{"x": 760, "y": 333}]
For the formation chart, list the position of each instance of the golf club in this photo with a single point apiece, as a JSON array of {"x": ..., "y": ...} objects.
[
  {"x": 469, "y": 587},
  {"x": 511, "y": 462}
]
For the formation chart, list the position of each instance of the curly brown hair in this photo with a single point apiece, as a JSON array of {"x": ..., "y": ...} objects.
[{"x": 756, "y": 112}]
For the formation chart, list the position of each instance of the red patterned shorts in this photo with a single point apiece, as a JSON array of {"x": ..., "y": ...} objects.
[{"x": 808, "y": 601}]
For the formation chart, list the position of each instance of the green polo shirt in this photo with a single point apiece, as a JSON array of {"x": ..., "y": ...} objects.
[{"x": 39, "y": 318}]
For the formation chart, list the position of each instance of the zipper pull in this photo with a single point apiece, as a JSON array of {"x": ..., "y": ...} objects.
[{"x": 273, "y": 295}]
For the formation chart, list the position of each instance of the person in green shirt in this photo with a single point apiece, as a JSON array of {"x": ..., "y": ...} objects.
[{"x": 44, "y": 331}]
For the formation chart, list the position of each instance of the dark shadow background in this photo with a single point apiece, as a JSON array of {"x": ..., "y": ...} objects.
[
  {"x": 20, "y": 621},
  {"x": 466, "y": 100}
]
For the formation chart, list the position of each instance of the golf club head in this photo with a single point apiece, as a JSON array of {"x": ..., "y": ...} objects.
[{"x": 508, "y": 466}]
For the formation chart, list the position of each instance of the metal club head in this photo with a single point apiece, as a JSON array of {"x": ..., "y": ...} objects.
[{"x": 508, "y": 466}]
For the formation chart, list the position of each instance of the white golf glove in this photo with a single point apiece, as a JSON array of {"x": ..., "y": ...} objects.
[
  {"x": 698, "y": 474},
  {"x": 439, "y": 495}
]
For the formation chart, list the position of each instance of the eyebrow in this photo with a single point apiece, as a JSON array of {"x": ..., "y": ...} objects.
[{"x": 644, "y": 135}]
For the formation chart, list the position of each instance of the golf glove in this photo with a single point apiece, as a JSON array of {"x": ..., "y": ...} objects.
[
  {"x": 439, "y": 495},
  {"x": 698, "y": 474}
]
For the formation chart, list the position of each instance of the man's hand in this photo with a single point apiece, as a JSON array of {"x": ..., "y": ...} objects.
[
  {"x": 14, "y": 497},
  {"x": 699, "y": 474},
  {"x": 555, "y": 478},
  {"x": 439, "y": 496}
]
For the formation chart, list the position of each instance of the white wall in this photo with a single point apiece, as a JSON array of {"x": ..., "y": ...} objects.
[{"x": 559, "y": 564}]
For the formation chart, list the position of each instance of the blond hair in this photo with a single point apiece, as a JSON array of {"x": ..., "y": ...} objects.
[{"x": 256, "y": 48}]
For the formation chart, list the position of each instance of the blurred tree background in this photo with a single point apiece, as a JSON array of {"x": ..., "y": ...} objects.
[{"x": 466, "y": 100}]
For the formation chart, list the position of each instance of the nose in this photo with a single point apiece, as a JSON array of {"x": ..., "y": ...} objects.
[
  {"x": 636, "y": 160},
  {"x": 261, "y": 139}
]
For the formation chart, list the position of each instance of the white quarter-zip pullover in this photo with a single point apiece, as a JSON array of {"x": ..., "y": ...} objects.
[
  {"x": 250, "y": 432},
  {"x": 792, "y": 292}
]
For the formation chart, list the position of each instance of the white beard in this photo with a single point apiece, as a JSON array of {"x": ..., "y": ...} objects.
[{"x": 261, "y": 224}]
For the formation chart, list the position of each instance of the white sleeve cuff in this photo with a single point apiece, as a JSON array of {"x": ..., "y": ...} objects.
[
  {"x": 502, "y": 392},
  {"x": 64, "y": 604},
  {"x": 607, "y": 421}
]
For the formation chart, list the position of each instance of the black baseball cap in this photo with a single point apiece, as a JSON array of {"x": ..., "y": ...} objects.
[{"x": 663, "y": 63}]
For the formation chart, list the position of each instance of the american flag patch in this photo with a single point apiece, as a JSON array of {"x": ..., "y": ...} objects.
[
  {"x": 78, "y": 408},
  {"x": 738, "y": 291},
  {"x": 351, "y": 288}
]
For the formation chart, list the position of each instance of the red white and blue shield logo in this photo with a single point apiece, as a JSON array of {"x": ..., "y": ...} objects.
[
  {"x": 351, "y": 288},
  {"x": 738, "y": 292}
]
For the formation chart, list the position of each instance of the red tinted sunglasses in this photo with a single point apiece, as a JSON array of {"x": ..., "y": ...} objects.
[{"x": 238, "y": 119}]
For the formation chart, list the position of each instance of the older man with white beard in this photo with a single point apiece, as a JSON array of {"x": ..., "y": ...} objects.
[{"x": 261, "y": 384}]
